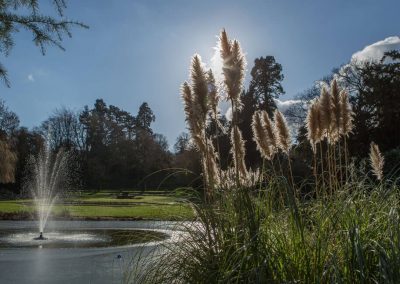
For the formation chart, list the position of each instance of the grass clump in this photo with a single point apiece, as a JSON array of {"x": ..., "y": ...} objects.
[
  {"x": 247, "y": 236},
  {"x": 258, "y": 226}
]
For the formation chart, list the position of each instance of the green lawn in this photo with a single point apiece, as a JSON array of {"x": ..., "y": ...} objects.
[{"x": 105, "y": 204}]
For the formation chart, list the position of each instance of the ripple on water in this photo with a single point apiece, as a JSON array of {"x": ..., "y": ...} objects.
[{"x": 79, "y": 238}]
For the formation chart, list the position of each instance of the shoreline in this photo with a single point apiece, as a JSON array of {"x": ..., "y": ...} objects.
[{"x": 29, "y": 217}]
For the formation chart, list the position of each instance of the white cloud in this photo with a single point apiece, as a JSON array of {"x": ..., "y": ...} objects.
[
  {"x": 285, "y": 105},
  {"x": 372, "y": 52},
  {"x": 31, "y": 78},
  {"x": 376, "y": 50}
]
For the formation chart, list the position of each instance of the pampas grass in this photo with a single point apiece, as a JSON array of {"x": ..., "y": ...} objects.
[
  {"x": 213, "y": 97},
  {"x": 260, "y": 134},
  {"x": 233, "y": 69},
  {"x": 199, "y": 100},
  {"x": 326, "y": 113},
  {"x": 376, "y": 161},
  {"x": 199, "y": 88},
  {"x": 284, "y": 141},
  {"x": 255, "y": 230},
  {"x": 282, "y": 133},
  {"x": 314, "y": 134},
  {"x": 238, "y": 152},
  {"x": 269, "y": 129},
  {"x": 346, "y": 126},
  {"x": 313, "y": 125},
  {"x": 336, "y": 115},
  {"x": 346, "y": 121},
  {"x": 330, "y": 116}
]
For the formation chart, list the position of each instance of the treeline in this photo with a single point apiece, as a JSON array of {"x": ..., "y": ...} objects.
[
  {"x": 116, "y": 149},
  {"x": 374, "y": 90},
  {"x": 111, "y": 148}
]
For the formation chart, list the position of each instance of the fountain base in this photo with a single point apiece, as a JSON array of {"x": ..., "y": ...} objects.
[{"x": 40, "y": 238}]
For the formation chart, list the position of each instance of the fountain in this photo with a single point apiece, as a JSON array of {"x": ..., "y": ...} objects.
[
  {"x": 49, "y": 178},
  {"x": 48, "y": 181}
]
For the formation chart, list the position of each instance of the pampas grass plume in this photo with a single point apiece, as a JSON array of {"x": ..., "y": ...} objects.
[
  {"x": 347, "y": 114},
  {"x": 376, "y": 160},
  {"x": 260, "y": 136},
  {"x": 282, "y": 132},
  {"x": 238, "y": 151}
]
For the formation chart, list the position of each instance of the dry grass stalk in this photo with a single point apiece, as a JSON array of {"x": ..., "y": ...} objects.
[
  {"x": 233, "y": 68},
  {"x": 269, "y": 128},
  {"x": 196, "y": 98},
  {"x": 190, "y": 113},
  {"x": 282, "y": 132},
  {"x": 199, "y": 88},
  {"x": 346, "y": 123},
  {"x": 213, "y": 97},
  {"x": 211, "y": 164},
  {"x": 336, "y": 115},
  {"x": 346, "y": 126},
  {"x": 228, "y": 179},
  {"x": 376, "y": 160},
  {"x": 260, "y": 136},
  {"x": 325, "y": 108},
  {"x": 225, "y": 46},
  {"x": 313, "y": 124},
  {"x": 314, "y": 135},
  {"x": 238, "y": 152}
]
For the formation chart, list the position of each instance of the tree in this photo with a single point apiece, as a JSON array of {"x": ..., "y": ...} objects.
[
  {"x": 182, "y": 143},
  {"x": 8, "y": 158},
  {"x": 7, "y": 162},
  {"x": 265, "y": 86},
  {"x": 266, "y": 82},
  {"x": 120, "y": 149},
  {"x": 65, "y": 129},
  {"x": 9, "y": 121},
  {"x": 144, "y": 118},
  {"x": 375, "y": 98},
  {"x": 16, "y": 15}
]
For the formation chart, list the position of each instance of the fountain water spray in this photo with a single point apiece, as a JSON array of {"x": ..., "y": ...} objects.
[{"x": 49, "y": 178}]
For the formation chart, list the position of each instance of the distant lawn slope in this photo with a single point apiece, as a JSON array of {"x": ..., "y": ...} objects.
[{"x": 106, "y": 205}]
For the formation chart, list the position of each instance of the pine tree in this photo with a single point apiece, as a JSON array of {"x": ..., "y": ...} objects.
[{"x": 16, "y": 15}]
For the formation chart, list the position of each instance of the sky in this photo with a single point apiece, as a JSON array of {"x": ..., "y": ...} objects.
[{"x": 140, "y": 51}]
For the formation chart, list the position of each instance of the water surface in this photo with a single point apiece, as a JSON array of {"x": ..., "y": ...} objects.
[{"x": 97, "y": 263}]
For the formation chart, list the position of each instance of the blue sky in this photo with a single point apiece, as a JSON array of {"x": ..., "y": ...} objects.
[{"x": 139, "y": 51}]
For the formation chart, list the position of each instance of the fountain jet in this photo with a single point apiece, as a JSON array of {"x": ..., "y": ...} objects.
[{"x": 49, "y": 178}]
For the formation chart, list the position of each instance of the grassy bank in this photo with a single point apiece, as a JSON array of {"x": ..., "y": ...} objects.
[
  {"x": 250, "y": 235},
  {"x": 130, "y": 205}
]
